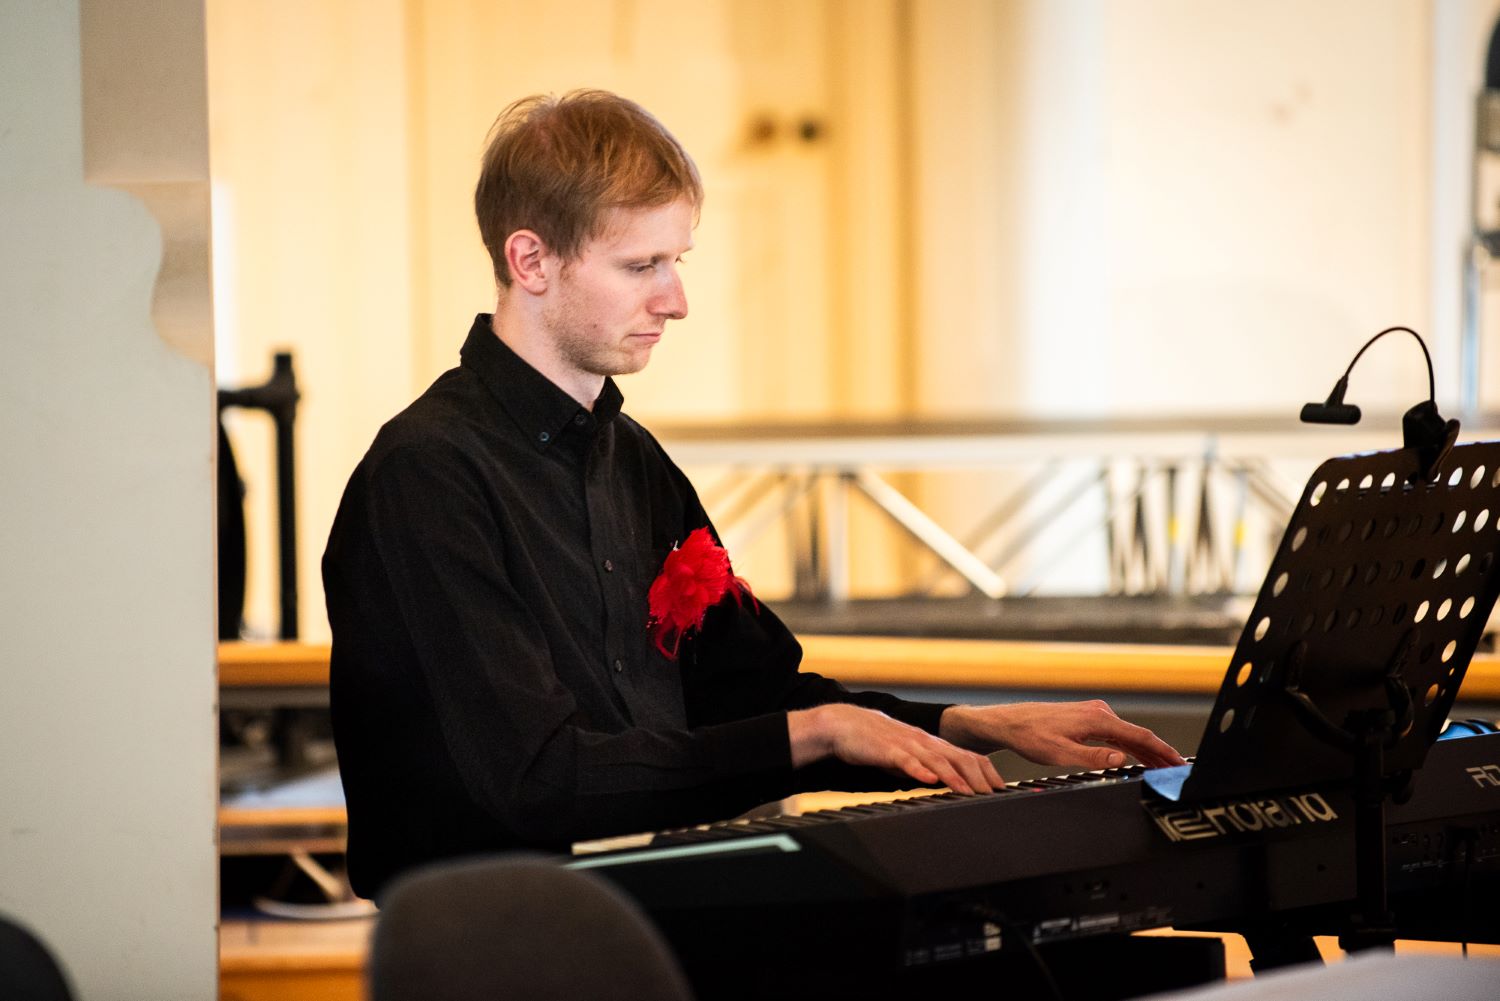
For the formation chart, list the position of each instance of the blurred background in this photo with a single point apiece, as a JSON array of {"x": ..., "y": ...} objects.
[{"x": 1046, "y": 270}]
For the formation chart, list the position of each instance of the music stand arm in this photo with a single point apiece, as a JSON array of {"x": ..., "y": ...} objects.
[{"x": 1367, "y": 733}]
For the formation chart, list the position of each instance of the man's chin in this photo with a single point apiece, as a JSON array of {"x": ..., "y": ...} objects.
[
  {"x": 617, "y": 363},
  {"x": 631, "y": 362}
]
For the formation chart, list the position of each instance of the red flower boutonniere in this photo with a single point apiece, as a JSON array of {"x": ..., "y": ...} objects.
[{"x": 695, "y": 577}]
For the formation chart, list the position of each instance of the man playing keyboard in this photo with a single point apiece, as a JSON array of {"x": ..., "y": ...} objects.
[{"x": 537, "y": 638}]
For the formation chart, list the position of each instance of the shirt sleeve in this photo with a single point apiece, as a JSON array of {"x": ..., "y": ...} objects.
[
  {"x": 511, "y": 728},
  {"x": 747, "y": 661}
]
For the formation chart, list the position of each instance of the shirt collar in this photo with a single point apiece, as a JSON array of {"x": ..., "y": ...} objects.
[{"x": 540, "y": 408}]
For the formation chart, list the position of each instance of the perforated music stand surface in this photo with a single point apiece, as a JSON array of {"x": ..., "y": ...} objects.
[{"x": 1371, "y": 563}]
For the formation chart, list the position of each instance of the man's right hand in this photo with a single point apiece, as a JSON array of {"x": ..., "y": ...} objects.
[{"x": 859, "y": 736}]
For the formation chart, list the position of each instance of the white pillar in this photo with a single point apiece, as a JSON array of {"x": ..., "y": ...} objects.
[{"x": 107, "y": 650}]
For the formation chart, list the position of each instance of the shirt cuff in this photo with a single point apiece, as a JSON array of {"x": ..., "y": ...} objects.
[
  {"x": 747, "y": 746},
  {"x": 923, "y": 715}
]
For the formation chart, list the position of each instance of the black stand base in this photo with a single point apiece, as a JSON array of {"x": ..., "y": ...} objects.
[
  {"x": 1369, "y": 936},
  {"x": 1272, "y": 949}
]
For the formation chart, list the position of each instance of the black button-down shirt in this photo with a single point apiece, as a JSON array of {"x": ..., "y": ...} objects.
[{"x": 494, "y": 683}]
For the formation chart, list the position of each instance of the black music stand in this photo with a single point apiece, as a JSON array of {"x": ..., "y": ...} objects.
[
  {"x": 277, "y": 396},
  {"x": 1356, "y": 647}
]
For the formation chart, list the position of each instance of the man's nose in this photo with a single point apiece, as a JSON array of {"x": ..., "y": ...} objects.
[{"x": 671, "y": 299}]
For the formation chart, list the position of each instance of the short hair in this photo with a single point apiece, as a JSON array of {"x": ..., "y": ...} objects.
[{"x": 558, "y": 165}]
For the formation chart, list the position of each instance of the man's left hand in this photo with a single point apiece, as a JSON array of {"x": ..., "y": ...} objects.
[{"x": 1057, "y": 733}]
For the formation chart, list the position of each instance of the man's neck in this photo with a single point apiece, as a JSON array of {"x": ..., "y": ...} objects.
[{"x": 540, "y": 354}]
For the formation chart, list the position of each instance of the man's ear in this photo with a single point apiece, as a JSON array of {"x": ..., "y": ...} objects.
[{"x": 528, "y": 259}]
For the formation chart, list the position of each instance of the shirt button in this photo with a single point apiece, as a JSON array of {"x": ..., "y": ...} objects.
[
  {"x": 580, "y": 420},
  {"x": 544, "y": 437},
  {"x": 609, "y": 566},
  {"x": 619, "y": 666}
]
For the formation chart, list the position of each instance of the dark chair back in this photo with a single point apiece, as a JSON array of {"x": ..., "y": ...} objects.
[
  {"x": 27, "y": 970},
  {"x": 516, "y": 926}
]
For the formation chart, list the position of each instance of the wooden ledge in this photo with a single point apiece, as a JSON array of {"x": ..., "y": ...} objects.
[
  {"x": 898, "y": 661},
  {"x": 1082, "y": 667},
  {"x": 283, "y": 816},
  {"x": 273, "y": 665}
]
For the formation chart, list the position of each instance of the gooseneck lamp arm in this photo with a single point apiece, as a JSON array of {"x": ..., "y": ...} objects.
[{"x": 1423, "y": 428}]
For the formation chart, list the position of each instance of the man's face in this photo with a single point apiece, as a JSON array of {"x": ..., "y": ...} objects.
[{"x": 610, "y": 304}]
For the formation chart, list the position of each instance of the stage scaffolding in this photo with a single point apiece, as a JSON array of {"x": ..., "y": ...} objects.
[{"x": 1174, "y": 510}]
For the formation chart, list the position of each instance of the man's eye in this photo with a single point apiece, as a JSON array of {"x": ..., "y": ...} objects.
[{"x": 641, "y": 269}]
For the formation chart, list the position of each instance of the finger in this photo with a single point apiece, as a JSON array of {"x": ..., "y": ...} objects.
[
  {"x": 949, "y": 775},
  {"x": 984, "y": 775},
  {"x": 1146, "y": 746},
  {"x": 967, "y": 765},
  {"x": 1154, "y": 760},
  {"x": 1151, "y": 750},
  {"x": 1070, "y": 753},
  {"x": 912, "y": 766},
  {"x": 1166, "y": 760},
  {"x": 1097, "y": 757},
  {"x": 992, "y": 773},
  {"x": 1165, "y": 755},
  {"x": 920, "y": 772}
]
